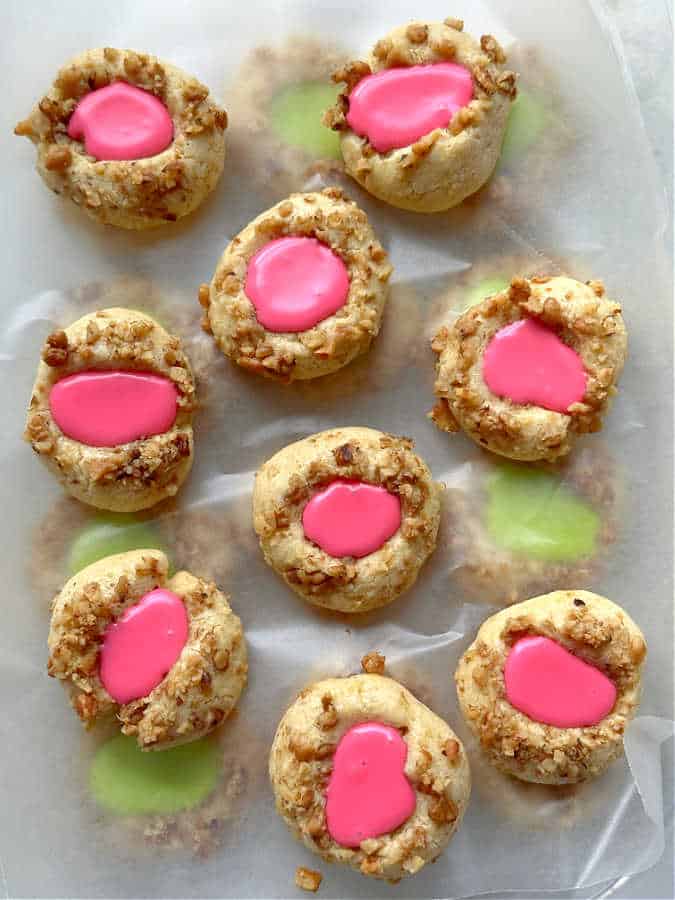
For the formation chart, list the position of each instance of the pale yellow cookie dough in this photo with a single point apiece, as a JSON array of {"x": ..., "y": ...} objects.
[
  {"x": 142, "y": 193},
  {"x": 583, "y": 317},
  {"x": 131, "y": 476},
  {"x": 447, "y": 165},
  {"x": 287, "y": 481},
  {"x": 436, "y": 766},
  {"x": 203, "y": 685},
  {"x": 589, "y": 626},
  {"x": 333, "y": 342}
]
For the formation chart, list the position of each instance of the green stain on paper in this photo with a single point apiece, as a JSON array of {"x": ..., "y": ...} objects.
[
  {"x": 485, "y": 288},
  {"x": 129, "y": 781},
  {"x": 531, "y": 512},
  {"x": 108, "y": 534},
  {"x": 527, "y": 119},
  {"x": 296, "y": 118}
]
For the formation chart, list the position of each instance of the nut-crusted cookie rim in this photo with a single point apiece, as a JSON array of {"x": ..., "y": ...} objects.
[
  {"x": 345, "y": 584},
  {"x": 230, "y": 315},
  {"x": 114, "y": 338},
  {"x": 584, "y": 318},
  {"x": 436, "y": 766},
  {"x": 96, "y": 597},
  {"x": 142, "y": 70},
  {"x": 588, "y": 626}
]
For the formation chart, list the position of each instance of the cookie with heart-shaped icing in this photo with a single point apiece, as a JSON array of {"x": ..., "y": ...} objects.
[
  {"x": 347, "y": 517},
  {"x": 166, "y": 655},
  {"x": 111, "y": 410},
  {"x": 529, "y": 369},
  {"x": 133, "y": 141},
  {"x": 549, "y": 686},
  {"x": 421, "y": 121},
  {"x": 366, "y": 775}
]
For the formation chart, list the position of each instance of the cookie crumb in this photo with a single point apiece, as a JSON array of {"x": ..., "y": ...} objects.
[
  {"x": 308, "y": 879},
  {"x": 373, "y": 663},
  {"x": 204, "y": 296},
  {"x": 451, "y": 749}
]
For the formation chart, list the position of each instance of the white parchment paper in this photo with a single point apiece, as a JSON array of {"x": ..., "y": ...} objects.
[{"x": 588, "y": 198}]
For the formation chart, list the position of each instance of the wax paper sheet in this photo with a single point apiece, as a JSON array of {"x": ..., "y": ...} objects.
[{"x": 579, "y": 192}]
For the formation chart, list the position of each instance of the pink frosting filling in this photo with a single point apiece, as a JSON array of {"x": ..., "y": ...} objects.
[
  {"x": 351, "y": 518},
  {"x": 368, "y": 793},
  {"x": 396, "y": 107},
  {"x": 551, "y": 685},
  {"x": 528, "y": 363},
  {"x": 107, "y": 408},
  {"x": 141, "y": 647},
  {"x": 295, "y": 282},
  {"x": 121, "y": 121}
]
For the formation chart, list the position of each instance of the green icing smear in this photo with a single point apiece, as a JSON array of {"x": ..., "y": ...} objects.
[
  {"x": 296, "y": 118},
  {"x": 129, "y": 781},
  {"x": 485, "y": 288},
  {"x": 108, "y": 534},
  {"x": 527, "y": 119},
  {"x": 531, "y": 512}
]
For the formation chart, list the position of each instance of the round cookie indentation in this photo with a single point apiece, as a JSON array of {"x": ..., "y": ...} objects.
[
  {"x": 108, "y": 408},
  {"x": 121, "y": 122},
  {"x": 532, "y": 512},
  {"x": 553, "y": 686},
  {"x": 528, "y": 363},
  {"x": 295, "y": 117},
  {"x": 368, "y": 794},
  {"x": 395, "y": 107},
  {"x": 128, "y": 781},
  {"x": 351, "y": 518},
  {"x": 140, "y": 647},
  {"x": 295, "y": 282}
]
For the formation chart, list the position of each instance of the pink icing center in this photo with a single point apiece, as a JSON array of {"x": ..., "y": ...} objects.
[
  {"x": 139, "y": 649},
  {"x": 295, "y": 282},
  {"x": 107, "y": 408},
  {"x": 396, "y": 107},
  {"x": 368, "y": 793},
  {"x": 121, "y": 121},
  {"x": 551, "y": 685},
  {"x": 528, "y": 363},
  {"x": 351, "y": 518}
]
